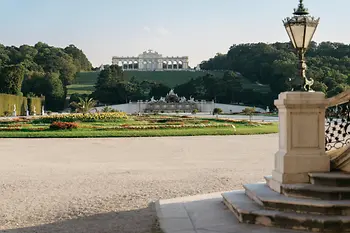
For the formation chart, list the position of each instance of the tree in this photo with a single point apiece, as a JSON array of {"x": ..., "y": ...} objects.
[
  {"x": 249, "y": 112},
  {"x": 11, "y": 78},
  {"x": 48, "y": 85},
  {"x": 217, "y": 111},
  {"x": 84, "y": 105},
  {"x": 158, "y": 90},
  {"x": 79, "y": 59}
]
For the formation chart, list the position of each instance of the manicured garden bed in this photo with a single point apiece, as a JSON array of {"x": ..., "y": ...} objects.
[{"x": 120, "y": 125}]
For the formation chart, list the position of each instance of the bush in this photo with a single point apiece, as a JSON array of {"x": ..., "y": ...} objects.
[
  {"x": 217, "y": 111},
  {"x": 57, "y": 125}
]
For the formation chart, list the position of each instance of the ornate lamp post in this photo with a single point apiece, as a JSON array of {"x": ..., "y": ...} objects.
[{"x": 301, "y": 28}]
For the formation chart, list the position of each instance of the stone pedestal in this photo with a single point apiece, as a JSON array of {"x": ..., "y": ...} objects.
[{"x": 301, "y": 138}]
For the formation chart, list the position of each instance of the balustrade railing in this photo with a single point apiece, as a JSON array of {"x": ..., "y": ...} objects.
[{"x": 337, "y": 124}]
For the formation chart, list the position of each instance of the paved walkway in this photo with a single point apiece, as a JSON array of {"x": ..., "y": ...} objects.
[
  {"x": 106, "y": 185},
  {"x": 204, "y": 214}
]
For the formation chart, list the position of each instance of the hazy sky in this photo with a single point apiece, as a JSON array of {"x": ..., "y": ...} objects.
[{"x": 195, "y": 28}]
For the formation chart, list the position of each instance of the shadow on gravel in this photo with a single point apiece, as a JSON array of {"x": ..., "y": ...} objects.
[{"x": 134, "y": 221}]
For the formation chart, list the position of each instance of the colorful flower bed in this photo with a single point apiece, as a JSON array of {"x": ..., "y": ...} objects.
[
  {"x": 92, "y": 117},
  {"x": 166, "y": 126},
  {"x": 63, "y": 125}
]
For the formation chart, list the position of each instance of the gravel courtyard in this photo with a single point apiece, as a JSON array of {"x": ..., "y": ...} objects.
[{"x": 106, "y": 185}]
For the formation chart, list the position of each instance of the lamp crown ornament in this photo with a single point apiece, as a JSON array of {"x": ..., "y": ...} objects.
[{"x": 301, "y": 10}]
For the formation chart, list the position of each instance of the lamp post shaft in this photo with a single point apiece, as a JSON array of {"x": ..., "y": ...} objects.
[{"x": 307, "y": 82}]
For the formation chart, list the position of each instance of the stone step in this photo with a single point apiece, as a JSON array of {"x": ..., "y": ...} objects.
[
  {"x": 334, "y": 179},
  {"x": 270, "y": 199},
  {"x": 248, "y": 211},
  {"x": 314, "y": 191}
]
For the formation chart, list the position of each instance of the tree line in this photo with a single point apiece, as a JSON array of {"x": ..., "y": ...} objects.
[
  {"x": 276, "y": 65},
  {"x": 41, "y": 70},
  {"x": 113, "y": 88}
]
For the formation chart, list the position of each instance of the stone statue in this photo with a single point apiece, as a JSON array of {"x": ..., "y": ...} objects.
[
  {"x": 14, "y": 111},
  {"x": 162, "y": 99},
  {"x": 153, "y": 100},
  {"x": 191, "y": 99},
  {"x": 267, "y": 109},
  {"x": 34, "y": 111},
  {"x": 42, "y": 111},
  {"x": 171, "y": 92},
  {"x": 182, "y": 99}
]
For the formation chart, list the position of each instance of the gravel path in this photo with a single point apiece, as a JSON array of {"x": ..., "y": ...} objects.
[{"x": 106, "y": 185}]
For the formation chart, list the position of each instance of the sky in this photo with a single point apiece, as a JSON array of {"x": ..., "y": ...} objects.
[{"x": 195, "y": 28}]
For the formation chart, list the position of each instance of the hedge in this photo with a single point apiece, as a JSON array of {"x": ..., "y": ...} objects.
[
  {"x": 7, "y": 103},
  {"x": 37, "y": 102}
]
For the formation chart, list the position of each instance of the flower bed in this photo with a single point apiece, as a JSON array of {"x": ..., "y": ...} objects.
[
  {"x": 108, "y": 116},
  {"x": 63, "y": 126},
  {"x": 138, "y": 127}
]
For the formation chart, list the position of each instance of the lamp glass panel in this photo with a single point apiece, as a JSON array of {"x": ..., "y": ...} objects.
[
  {"x": 298, "y": 35},
  {"x": 310, "y": 30},
  {"x": 290, "y": 34}
]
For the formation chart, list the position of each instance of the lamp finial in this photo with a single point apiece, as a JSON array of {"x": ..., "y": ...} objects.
[{"x": 301, "y": 10}]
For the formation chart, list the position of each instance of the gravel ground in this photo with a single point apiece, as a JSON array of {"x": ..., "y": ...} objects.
[{"x": 106, "y": 185}]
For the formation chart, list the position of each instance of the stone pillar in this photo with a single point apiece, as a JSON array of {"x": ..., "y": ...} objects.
[{"x": 301, "y": 138}]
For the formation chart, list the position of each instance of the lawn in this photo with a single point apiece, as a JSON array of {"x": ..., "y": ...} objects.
[
  {"x": 121, "y": 125},
  {"x": 85, "y": 81}
]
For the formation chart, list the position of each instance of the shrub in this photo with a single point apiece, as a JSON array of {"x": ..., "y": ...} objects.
[
  {"x": 217, "y": 111},
  {"x": 249, "y": 111},
  {"x": 57, "y": 125}
]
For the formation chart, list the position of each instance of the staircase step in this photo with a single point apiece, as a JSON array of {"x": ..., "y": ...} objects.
[
  {"x": 248, "y": 211},
  {"x": 334, "y": 179},
  {"x": 316, "y": 191},
  {"x": 270, "y": 199}
]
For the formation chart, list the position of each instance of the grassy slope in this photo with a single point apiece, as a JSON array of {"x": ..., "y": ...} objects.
[{"x": 86, "y": 80}]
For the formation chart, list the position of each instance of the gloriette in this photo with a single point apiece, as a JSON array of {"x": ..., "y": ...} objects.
[{"x": 151, "y": 61}]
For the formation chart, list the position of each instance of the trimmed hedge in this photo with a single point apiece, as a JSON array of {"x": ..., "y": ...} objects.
[
  {"x": 7, "y": 103},
  {"x": 37, "y": 102}
]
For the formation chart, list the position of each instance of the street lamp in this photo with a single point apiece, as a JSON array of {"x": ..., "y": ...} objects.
[{"x": 301, "y": 28}]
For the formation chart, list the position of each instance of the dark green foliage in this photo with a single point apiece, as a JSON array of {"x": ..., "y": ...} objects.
[
  {"x": 75, "y": 98},
  {"x": 276, "y": 65},
  {"x": 11, "y": 78},
  {"x": 46, "y": 70},
  {"x": 112, "y": 88},
  {"x": 217, "y": 111},
  {"x": 158, "y": 90},
  {"x": 48, "y": 85},
  {"x": 79, "y": 58}
]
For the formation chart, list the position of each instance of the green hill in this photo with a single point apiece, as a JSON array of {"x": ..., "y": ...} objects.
[{"x": 85, "y": 81}]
